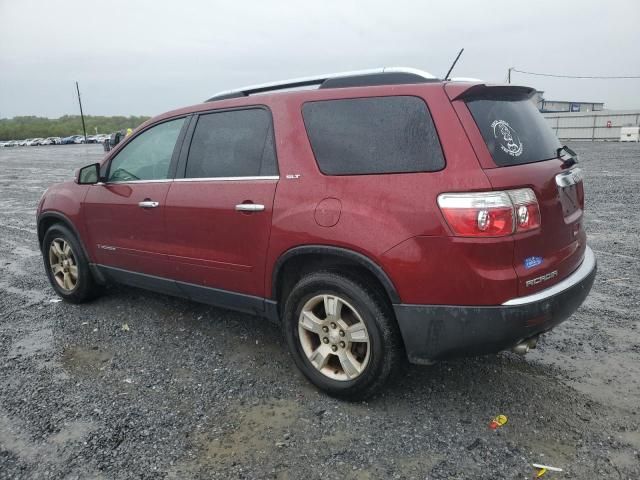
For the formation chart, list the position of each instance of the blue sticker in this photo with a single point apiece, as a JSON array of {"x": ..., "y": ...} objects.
[{"x": 531, "y": 262}]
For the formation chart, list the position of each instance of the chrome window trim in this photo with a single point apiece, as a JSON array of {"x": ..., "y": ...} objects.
[
  {"x": 587, "y": 266},
  {"x": 227, "y": 179},
  {"x": 163, "y": 180},
  {"x": 199, "y": 179}
]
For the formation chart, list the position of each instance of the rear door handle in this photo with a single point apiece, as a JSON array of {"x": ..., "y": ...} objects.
[
  {"x": 148, "y": 204},
  {"x": 249, "y": 207}
]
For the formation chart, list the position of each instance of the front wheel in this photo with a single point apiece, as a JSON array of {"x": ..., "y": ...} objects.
[
  {"x": 66, "y": 265},
  {"x": 341, "y": 335}
]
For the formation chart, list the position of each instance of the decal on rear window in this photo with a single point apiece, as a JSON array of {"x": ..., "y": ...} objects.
[
  {"x": 513, "y": 129},
  {"x": 507, "y": 137}
]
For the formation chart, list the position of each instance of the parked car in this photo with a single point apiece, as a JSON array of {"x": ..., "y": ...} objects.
[
  {"x": 73, "y": 139},
  {"x": 23, "y": 143},
  {"x": 51, "y": 141},
  {"x": 34, "y": 142},
  {"x": 114, "y": 139},
  {"x": 385, "y": 215},
  {"x": 92, "y": 139},
  {"x": 11, "y": 143}
]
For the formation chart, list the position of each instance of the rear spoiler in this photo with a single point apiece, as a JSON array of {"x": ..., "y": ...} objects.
[{"x": 470, "y": 91}]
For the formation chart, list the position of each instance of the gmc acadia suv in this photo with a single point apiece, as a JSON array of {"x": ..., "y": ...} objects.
[{"x": 385, "y": 215}]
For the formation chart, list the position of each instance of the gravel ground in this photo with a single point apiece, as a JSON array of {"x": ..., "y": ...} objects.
[{"x": 191, "y": 391}]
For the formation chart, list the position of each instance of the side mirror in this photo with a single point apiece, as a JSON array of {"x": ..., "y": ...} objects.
[{"x": 89, "y": 175}]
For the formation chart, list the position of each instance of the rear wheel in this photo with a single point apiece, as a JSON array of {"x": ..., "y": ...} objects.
[
  {"x": 341, "y": 335},
  {"x": 66, "y": 265}
]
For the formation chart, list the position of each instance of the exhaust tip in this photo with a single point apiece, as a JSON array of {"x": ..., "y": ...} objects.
[{"x": 521, "y": 348}]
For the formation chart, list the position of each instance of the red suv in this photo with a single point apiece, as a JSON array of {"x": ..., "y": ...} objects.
[{"x": 384, "y": 215}]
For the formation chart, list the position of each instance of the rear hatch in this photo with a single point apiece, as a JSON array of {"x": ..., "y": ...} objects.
[{"x": 517, "y": 149}]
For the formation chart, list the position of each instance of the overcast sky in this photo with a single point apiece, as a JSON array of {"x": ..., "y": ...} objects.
[{"x": 145, "y": 57}]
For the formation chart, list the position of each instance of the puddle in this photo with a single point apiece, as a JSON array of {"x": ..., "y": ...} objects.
[
  {"x": 258, "y": 430},
  {"x": 84, "y": 360}
]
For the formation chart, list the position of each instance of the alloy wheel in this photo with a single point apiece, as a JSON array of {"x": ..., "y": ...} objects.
[
  {"x": 334, "y": 337},
  {"x": 62, "y": 262}
]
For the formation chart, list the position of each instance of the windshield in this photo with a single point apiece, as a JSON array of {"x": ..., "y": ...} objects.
[{"x": 514, "y": 131}]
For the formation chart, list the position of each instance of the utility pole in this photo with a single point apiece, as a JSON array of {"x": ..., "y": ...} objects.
[
  {"x": 84, "y": 129},
  {"x": 509, "y": 74}
]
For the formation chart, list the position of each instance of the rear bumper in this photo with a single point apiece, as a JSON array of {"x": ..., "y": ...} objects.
[{"x": 434, "y": 332}]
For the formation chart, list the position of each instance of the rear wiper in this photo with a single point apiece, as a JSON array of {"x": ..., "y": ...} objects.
[{"x": 568, "y": 156}]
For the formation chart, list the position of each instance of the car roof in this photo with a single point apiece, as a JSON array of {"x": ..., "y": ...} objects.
[
  {"x": 360, "y": 78},
  {"x": 371, "y": 81}
]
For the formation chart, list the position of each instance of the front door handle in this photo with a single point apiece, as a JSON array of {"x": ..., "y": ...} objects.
[
  {"x": 148, "y": 204},
  {"x": 249, "y": 207}
]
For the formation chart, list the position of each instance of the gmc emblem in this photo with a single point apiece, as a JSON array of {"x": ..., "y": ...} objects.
[{"x": 541, "y": 278}]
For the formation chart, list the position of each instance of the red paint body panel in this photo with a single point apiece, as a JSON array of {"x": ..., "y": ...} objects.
[
  {"x": 197, "y": 236},
  {"x": 453, "y": 271},
  {"x": 378, "y": 211},
  {"x": 132, "y": 238},
  {"x": 560, "y": 242},
  {"x": 66, "y": 199},
  {"x": 212, "y": 244}
]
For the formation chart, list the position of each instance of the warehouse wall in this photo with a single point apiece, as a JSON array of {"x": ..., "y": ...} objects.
[
  {"x": 592, "y": 125},
  {"x": 555, "y": 106}
]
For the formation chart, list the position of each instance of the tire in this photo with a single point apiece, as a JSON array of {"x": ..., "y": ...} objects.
[
  {"x": 83, "y": 286},
  {"x": 315, "y": 335}
]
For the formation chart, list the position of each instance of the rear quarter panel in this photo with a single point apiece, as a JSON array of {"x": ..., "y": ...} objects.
[{"x": 378, "y": 212}]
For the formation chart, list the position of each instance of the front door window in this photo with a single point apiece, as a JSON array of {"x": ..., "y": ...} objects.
[{"x": 148, "y": 156}]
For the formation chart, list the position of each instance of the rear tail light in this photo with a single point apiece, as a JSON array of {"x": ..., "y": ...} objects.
[
  {"x": 490, "y": 214},
  {"x": 527, "y": 212}
]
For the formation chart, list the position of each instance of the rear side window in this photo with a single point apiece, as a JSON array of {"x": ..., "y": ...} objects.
[
  {"x": 237, "y": 143},
  {"x": 373, "y": 135},
  {"x": 514, "y": 131}
]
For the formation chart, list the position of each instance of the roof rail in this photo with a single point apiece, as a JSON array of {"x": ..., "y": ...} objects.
[
  {"x": 372, "y": 76},
  {"x": 465, "y": 79}
]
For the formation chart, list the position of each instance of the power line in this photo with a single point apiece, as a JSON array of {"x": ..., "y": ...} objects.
[{"x": 612, "y": 77}]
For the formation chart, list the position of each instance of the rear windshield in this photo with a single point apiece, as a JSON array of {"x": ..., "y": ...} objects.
[{"x": 514, "y": 131}]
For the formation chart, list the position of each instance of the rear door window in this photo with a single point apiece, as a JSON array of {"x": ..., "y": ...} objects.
[
  {"x": 513, "y": 130},
  {"x": 235, "y": 143},
  {"x": 373, "y": 135}
]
